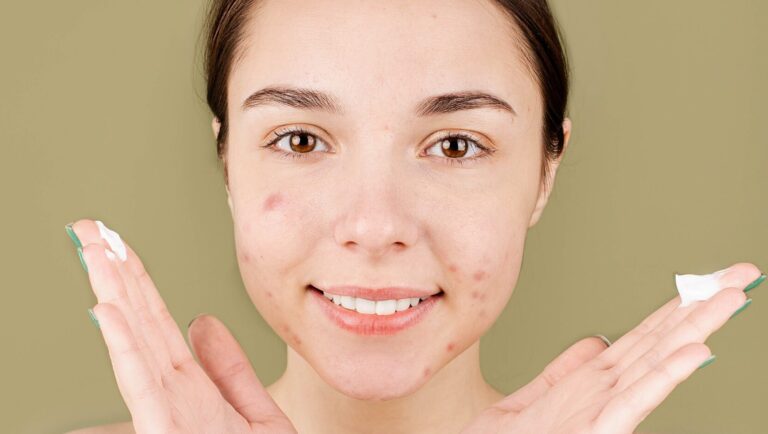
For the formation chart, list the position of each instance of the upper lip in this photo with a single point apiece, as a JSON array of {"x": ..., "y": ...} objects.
[{"x": 386, "y": 293}]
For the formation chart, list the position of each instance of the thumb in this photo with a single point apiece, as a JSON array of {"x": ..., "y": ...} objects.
[
  {"x": 225, "y": 363},
  {"x": 575, "y": 356}
]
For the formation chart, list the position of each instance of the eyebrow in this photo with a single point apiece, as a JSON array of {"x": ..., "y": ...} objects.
[{"x": 309, "y": 99}]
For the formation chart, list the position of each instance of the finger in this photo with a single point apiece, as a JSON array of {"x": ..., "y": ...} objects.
[
  {"x": 575, "y": 356},
  {"x": 628, "y": 408},
  {"x": 108, "y": 286},
  {"x": 694, "y": 328},
  {"x": 144, "y": 396},
  {"x": 175, "y": 349},
  {"x": 225, "y": 363},
  {"x": 667, "y": 316},
  {"x": 737, "y": 276}
]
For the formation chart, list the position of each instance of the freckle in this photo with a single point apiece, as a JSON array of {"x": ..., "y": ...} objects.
[
  {"x": 479, "y": 275},
  {"x": 450, "y": 347},
  {"x": 272, "y": 201}
]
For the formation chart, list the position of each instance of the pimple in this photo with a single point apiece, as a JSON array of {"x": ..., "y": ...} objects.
[
  {"x": 427, "y": 371},
  {"x": 269, "y": 294},
  {"x": 272, "y": 201},
  {"x": 450, "y": 346},
  {"x": 453, "y": 268},
  {"x": 246, "y": 257},
  {"x": 479, "y": 275},
  {"x": 475, "y": 294}
]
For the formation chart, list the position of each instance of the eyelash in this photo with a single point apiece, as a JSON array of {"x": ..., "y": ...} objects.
[{"x": 484, "y": 150}]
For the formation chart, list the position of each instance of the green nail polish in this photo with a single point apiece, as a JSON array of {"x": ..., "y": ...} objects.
[
  {"x": 709, "y": 360},
  {"x": 93, "y": 318},
  {"x": 82, "y": 261},
  {"x": 754, "y": 284},
  {"x": 743, "y": 306},
  {"x": 72, "y": 235}
]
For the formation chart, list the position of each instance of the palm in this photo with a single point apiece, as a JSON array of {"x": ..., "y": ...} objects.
[
  {"x": 165, "y": 389},
  {"x": 591, "y": 389}
]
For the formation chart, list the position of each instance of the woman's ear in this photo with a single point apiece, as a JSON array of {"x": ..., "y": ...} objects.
[
  {"x": 546, "y": 187},
  {"x": 216, "y": 126}
]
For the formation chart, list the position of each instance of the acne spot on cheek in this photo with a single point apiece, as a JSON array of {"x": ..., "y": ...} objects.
[
  {"x": 453, "y": 268},
  {"x": 269, "y": 294},
  {"x": 479, "y": 275},
  {"x": 246, "y": 257},
  {"x": 271, "y": 202},
  {"x": 427, "y": 371},
  {"x": 450, "y": 347}
]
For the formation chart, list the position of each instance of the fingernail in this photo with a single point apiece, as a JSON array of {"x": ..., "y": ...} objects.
[
  {"x": 754, "y": 284},
  {"x": 93, "y": 318},
  {"x": 82, "y": 261},
  {"x": 709, "y": 360},
  {"x": 743, "y": 306},
  {"x": 72, "y": 235},
  {"x": 606, "y": 340},
  {"x": 193, "y": 320}
]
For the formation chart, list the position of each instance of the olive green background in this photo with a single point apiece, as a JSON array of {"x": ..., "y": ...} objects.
[{"x": 103, "y": 116}]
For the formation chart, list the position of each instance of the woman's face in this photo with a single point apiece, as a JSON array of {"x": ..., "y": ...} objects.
[{"x": 369, "y": 197}]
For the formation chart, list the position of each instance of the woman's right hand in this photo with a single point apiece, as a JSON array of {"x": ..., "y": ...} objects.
[
  {"x": 611, "y": 390},
  {"x": 165, "y": 389}
]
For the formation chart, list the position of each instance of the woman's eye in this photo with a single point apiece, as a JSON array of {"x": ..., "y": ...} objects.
[
  {"x": 294, "y": 142},
  {"x": 456, "y": 147}
]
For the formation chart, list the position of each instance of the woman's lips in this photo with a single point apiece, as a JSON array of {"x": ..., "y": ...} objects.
[{"x": 372, "y": 324}]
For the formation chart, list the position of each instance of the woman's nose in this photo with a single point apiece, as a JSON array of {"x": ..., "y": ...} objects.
[{"x": 376, "y": 218}]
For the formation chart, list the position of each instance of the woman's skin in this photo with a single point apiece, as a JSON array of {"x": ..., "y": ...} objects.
[{"x": 377, "y": 203}]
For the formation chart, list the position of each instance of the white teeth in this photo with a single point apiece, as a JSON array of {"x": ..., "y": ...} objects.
[
  {"x": 403, "y": 304},
  {"x": 386, "y": 307},
  {"x": 380, "y": 307},
  {"x": 365, "y": 306},
  {"x": 348, "y": 302}
]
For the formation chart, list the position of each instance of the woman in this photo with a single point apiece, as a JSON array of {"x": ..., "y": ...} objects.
[{"x": 383, "y": 163}]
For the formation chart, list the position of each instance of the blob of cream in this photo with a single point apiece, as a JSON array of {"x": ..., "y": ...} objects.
[
  {"x": 694, "y": 287},
  {"x": 115, "y": 242}
]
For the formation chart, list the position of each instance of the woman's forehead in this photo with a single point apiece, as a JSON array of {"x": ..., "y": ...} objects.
[{"x": 375, "y": 55}]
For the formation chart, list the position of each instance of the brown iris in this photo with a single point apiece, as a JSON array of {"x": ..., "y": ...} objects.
[
  {"x": 302, "y": 142},
  {"x": 454, "y": 147}
]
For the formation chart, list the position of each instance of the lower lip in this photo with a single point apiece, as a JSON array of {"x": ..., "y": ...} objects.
[{"x": 372, "y": 324}]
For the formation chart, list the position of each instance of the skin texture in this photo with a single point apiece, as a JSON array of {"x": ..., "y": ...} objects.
[
  {"x": 376, "y": 211},
  {"x": 371, "y": 207}
]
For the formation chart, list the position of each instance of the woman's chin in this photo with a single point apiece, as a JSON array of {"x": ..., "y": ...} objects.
[{"x": 373, "y": 380}]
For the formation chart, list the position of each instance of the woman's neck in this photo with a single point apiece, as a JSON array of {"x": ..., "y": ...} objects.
[{"x": 454, "y": 396}]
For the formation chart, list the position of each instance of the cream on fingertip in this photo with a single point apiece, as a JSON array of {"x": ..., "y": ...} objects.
[
  {"x": 694, "y": 287},
  {"x": 114, "y": 241}
]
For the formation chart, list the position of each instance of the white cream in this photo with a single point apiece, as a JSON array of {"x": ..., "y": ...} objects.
[
  {"x": 114, "y": 241},
  {"x": 693, "y": 287}
]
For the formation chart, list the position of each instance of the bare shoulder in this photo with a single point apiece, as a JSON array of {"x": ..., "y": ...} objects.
[{"x": 113, "y": 428}]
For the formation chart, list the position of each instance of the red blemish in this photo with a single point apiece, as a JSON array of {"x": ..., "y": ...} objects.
[
  {"x": 479, "y": 275},
  {"x": 450, "y": 347},
  {"x": 427, "y": 371},
  {"x": 269, "y": 294},
  {"x": 475, "y": 294},
  {"x": 453, "y": 268},
  {"x": 246, "y": 258},
  {"x": 297, "y": 340},
  {"x": 272, "y": 201}
]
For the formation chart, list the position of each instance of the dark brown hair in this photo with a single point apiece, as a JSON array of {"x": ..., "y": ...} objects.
[{"x": 543, "y": 50}]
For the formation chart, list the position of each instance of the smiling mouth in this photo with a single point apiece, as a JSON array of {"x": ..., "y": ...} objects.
[{"x": 375, "y": 307}]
